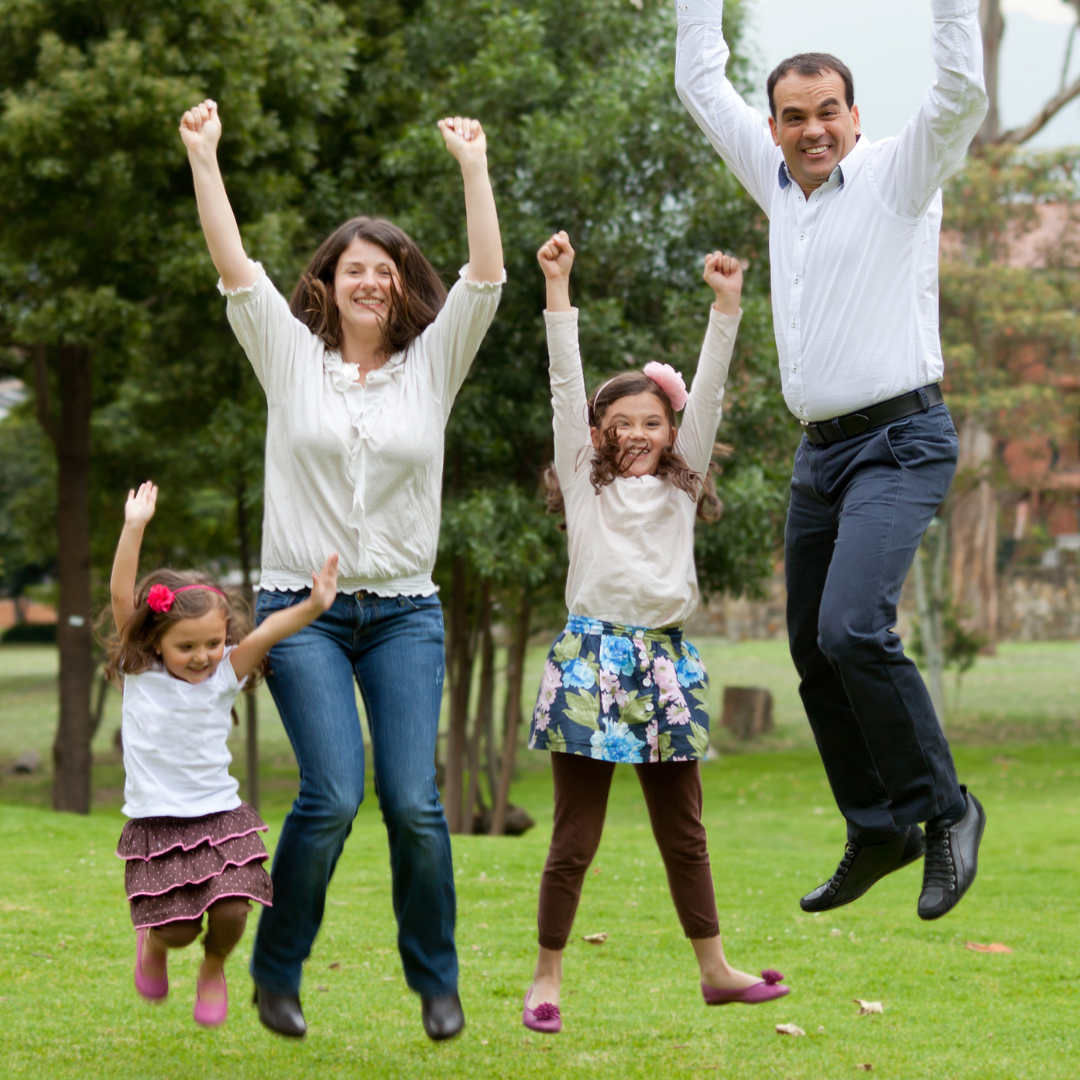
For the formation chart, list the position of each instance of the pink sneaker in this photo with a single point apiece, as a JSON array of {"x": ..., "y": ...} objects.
[
  {"x": 152, "y": 987},
  {"x": 211, "y": 1014},
  {"x": 752, "y": 995},
  {"x": 544, "y": 1018}
]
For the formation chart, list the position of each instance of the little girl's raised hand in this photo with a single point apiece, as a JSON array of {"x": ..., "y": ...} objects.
[
  {"x": 141, "y": 504},
  {"x": 464, "y": 137},
  {"x": 723, "y": 273},
  {"x": 200, "y": 126},
  {"x": 556, "y": 257},
  {"x": 324, "y": 584}
]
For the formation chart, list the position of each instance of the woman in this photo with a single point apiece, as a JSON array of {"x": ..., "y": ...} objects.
[{"x": 360, "y": 370}]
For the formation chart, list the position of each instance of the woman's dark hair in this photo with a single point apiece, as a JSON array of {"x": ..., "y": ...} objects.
[
  {"x": 132, "y": 649},
  {"x": 608, "y": 459},
  {"x": 416, "y": 297},
  {"x": 807, "y": 64}
]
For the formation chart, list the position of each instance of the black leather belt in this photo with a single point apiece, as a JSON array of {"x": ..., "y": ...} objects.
[{"x": 884, "y": 412}]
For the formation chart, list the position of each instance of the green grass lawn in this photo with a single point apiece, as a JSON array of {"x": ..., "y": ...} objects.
[
  {"x": 631, "y": 1005},
  {"x": 632, "y": 1008}
]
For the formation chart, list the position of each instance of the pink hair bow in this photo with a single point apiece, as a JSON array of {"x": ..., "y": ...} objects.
[
  {"x": 160, "y": 597},
  {"x": 670, "y": 381}
]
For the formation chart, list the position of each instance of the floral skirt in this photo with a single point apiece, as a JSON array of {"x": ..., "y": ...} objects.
[
  {"x": 622, "y": 693},
  {"x": 175, "y": 868}
]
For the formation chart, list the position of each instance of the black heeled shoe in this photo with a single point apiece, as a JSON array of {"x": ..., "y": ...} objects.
[{"x": 280, "y": 1013}]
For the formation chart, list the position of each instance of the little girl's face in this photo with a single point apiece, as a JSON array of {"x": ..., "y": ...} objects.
[
  {"x": 641, "y": 425},
  {"x": 191, "y": 649}
]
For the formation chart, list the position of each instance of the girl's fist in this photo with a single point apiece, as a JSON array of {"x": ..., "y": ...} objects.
[
  {"x": 556, "y": 257},
  {"x": 464, "y": 138},
  {"x": 200, "y": 127},
  {"x": 724, "y": 275}
]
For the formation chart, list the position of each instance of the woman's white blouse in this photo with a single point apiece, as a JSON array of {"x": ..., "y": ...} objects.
[
  {"x": 350, "y": 467},
  {"x": 631, "y": 544},
  {"x": 175, "y": 736}
]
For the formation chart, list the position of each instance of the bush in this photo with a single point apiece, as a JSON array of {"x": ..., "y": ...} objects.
[{"x": 30, "y": 634}]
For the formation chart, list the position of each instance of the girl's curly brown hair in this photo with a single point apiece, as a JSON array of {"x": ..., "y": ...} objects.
[
  {"x": 132, "y": 649},
  {"x": 608, "y": 459}
]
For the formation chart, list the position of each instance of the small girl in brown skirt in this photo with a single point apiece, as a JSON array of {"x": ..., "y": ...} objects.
[
  {"x": 191, "y": 847},
  {"x": 621, "y": 683}
]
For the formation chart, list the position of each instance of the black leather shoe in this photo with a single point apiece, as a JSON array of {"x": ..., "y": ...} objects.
[
  {"x": 443, "y": 1018},
  {"x": 952, "y": 860},
  {"x": 280, "y": 1012},
  {"x": 862, "y": 866}
]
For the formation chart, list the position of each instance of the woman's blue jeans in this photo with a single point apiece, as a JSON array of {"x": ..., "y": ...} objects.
[{"x": 394, "y": 648}]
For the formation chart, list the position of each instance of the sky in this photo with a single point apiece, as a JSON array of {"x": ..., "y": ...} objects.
[{"x": 886, "y": 43}]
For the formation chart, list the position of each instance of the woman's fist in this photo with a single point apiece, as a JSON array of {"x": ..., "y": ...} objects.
[
  {"x": 200, "y": 127},
  {"x": 723, "y": 273},
  {"x": 556, "y": 257},
  {"x": 465, "y": 138}
]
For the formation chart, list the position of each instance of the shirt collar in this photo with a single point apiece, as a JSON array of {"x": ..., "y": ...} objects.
[{"x": 837, "y": 178}]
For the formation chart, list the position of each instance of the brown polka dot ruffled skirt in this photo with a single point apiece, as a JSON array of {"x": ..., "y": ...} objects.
[{"x": 175, "y": 868}]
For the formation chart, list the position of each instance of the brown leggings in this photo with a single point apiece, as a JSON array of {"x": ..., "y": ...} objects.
[
  {"x": 225, "y": 922},
  {"x": 672, "y": 791}
]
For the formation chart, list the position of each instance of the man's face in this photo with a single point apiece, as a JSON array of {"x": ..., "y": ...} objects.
[{"x": 813, "y": 125}]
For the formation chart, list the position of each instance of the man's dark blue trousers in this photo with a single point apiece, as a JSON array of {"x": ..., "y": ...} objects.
[{"x": 859, "y": 508}]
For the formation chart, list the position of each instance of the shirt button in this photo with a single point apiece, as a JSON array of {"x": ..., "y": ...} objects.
[
  {"x": 646, "y": 682},
  {"x": 802, "y": 236},
  {"x": 792, "y": 322},
  {"x": 796, "y": 279},
  {"x": 794, "y": 367},
  {"x": 639, "y": 634},
  {"x": 649, "y": 707}
]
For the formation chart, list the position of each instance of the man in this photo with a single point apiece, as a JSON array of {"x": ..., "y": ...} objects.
[{"x": 854, "y": 243}]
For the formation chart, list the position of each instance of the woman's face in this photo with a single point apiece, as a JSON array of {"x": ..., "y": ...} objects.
[
  {"x": 641, "y": 425},
  {"x": 362, "y": 286}
]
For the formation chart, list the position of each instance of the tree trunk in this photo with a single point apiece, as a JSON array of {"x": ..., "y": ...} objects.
[
  {"x": 251, "y": 718},
  {"x": 993, "y": 29},
  {"x": 71, "y": 437},
  {"x": 748, "y": 711},
  {"x": 460, "y": 672},
  {"x": 973, "y": 536},
  {"x": 515, "y": 675},
  {"x": 484, "y": 708}
]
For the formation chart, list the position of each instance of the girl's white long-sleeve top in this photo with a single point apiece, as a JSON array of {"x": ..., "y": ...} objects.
[
  {"x": 631, "y": 544},
  {"x": 350, "y": 467}
]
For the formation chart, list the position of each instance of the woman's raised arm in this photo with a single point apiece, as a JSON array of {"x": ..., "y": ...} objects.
[
  {"x": 465, "y": 139},
  {"x": 200, "y": 128}
]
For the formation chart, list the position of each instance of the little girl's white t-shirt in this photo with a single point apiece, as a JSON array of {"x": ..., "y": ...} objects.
[{"x": 175, "y": 736}]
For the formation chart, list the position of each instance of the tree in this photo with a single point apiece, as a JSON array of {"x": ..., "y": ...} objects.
[
  {"x": 100, "y": 257},
  {"x": 993, "y": 32}
]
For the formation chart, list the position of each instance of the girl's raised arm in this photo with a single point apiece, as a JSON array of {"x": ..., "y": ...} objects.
[
  {"x": 200, "y": 128},
  {"x": 138, "y": 511},
  {"x": 465, "y": 139}
]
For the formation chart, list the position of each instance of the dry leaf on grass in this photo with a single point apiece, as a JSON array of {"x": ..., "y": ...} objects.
[
  {"x": 595, "y": 939},
  {"x": 789, "y": 1029},
  {"x": 868, "y": 1007},
  {"x": 864, "y": 1068},
  {"x": 335, "y": 966},
  {"x": 995, "y": 947}
]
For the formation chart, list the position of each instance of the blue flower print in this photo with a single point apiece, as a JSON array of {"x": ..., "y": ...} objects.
[
  {"x": 582, "y": 624},
  {"x": 617, "y": 654},
  {"x": 578, "y": 674},
  {"x": 689, "y": 669},
  {"x": 616, "y": 744}
]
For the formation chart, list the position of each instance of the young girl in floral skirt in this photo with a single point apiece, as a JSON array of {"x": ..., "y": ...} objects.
[
  {"x": 621, "y": 684},
  {"x": 191, "y": 847}
]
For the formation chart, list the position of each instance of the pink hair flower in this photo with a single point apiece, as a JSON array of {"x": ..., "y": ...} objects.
[
  {"x": 670, "y": 381},
  {"x": 160, "y": 598}
]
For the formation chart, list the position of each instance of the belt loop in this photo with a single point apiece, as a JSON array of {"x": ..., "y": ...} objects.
[{"x": 923, "y": 398}]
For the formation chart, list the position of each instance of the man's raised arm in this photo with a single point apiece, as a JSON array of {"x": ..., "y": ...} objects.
[
  {"x": 736, "y": 131},
  {"x": 936, "y": 138}
]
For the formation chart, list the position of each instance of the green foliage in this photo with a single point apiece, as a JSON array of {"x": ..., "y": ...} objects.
[{"x": 27, "y": 502}]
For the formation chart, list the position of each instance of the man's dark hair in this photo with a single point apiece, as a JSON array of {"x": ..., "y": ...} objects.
[{"x": 813, "y": 63}]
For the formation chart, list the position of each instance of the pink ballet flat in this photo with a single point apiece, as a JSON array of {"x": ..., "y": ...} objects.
[
  {"x": 544, "y": 1018},
  {"x": 211, "y": 1014},
  {"x": 152, "y": 987},
  {"x": 752, "y": 995}
]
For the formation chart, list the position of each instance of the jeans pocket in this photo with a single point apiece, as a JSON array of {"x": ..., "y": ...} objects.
[
  {"x": 270, "y": 600},
  {"x": 903, "y": 440}
]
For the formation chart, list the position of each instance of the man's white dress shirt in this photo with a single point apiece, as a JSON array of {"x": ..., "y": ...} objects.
[{"x": 854, "y": 267}]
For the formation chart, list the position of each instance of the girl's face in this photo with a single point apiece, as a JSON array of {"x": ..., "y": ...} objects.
[
  {"x": 641, "y": 425},
  {"x": 362, "y": 286},
  {"x": 191, "y": 649}
]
